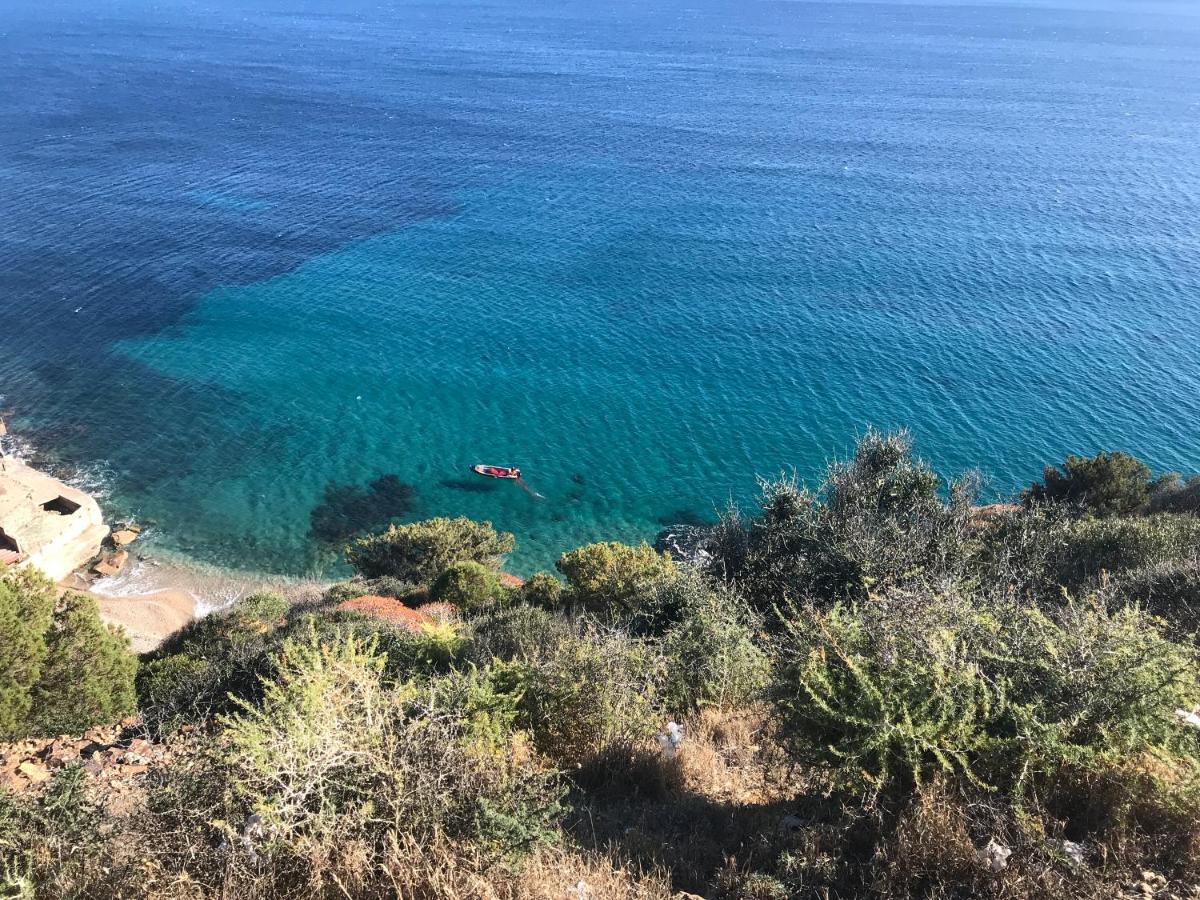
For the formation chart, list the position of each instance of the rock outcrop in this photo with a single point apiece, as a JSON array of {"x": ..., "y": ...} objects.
[
  {"x": 46, "y": 523},
  {"x": 686, "y": 543}
]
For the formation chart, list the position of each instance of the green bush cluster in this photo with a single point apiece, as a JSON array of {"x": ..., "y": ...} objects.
[
  {"x": 469, "y": 586},
  {"x": 875, "y": 679},
  {"x": 1169, "y": 590},
  {"x": 334, "y": 766},
  {"x": 191, "y": 677},
  {"x": 910, "y": 686},
  {"x": 1041, "y": 551},
  {"x": 1172, "y": 493},
  {"x": 1114, "y": 484},
  {"x": 1095, "y": 548},
  {"x": 607, "y": 578},
  {"x": 882, "y": 520},
  {"x": 61, "y": 668},
  {"x": 542, "y": 589},
  {"x": 1107, "y": 484},
  {"x": 592, "y": 689},
  {"x": 518, "y": 632},
  {"x": 711, "y": 646},
  {"x": 26, "y": 610},
  {"x": 421, "y": 551},
  {"x": 88, "y": 673},
  {"x": 885, "y": 692}
]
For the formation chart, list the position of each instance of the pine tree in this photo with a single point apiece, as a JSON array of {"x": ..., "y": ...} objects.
[
  {"x": 26, "y": 608},
  {"x": 88, "y": 674}
]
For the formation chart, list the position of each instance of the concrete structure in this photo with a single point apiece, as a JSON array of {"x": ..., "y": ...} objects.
[{"x": 46, "y": 523}]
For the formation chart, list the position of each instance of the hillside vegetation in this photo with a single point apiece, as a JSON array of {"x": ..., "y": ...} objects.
[{"x": 871, "y": 688}]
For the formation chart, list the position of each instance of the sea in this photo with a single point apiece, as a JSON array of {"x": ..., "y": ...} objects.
[{"x": 275, "y": 272}]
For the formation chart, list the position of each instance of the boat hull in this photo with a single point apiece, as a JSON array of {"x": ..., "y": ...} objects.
[{"x": 507, "y": 473}]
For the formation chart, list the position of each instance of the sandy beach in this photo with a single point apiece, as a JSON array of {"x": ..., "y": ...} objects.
[
  {"x": 147, "y": 619},
  {"x": 155, "y": 597}
]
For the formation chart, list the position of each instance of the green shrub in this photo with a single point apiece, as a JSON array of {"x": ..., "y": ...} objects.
[
  {"x": 1107, "y": 484},
  {"x": 910, "y": 686},
  {"x": 244, "y": 622},
  {"x": 306, "y": 751},
  {"x": 1083, "y": 683},
  {"x": 176, "y": 689},
  {"x": 421, "y": 551},
  {"x": 435, "y": 648},
  {"x": 590, "y": 690},
  {"x": 486, "y": 700},
  {"x": 346, "y": 590},
  {"x": 1018, "y": 552},
  {"x": 542, "y": 589},
  {"x": 728, "y": 546},
  {"x": 27, "y": 600},
  {"x": 881, "y": 700},
  {"x": 877, "y": 522},
  {"x": 520, "y": 632},
  {"x": 332, "y": 756},
  {"x": 61, "y": 668},
  {"x": 189, "y": 679},
  {"x": 1172, "y": 494},
  {"x": 88, "y": 674},
  {"x": 1092, "y": 547},
  {"x": 469, "y": 586},
  {"x": 408, "y": 654},
  {"x": 1169, "y": 590},
  {"x": 606, "y": 578},
  {"x": 712, "y": 658},
  {"x": 1040, "y": 552}
]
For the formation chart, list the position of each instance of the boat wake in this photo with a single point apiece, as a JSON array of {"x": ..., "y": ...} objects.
[{"x": 530, "y": 491}]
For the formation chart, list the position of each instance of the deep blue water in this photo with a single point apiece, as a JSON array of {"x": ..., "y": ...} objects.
[{"x": 252, "y": 250}]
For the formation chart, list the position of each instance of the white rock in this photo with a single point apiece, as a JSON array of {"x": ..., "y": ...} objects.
[
  {"x": 669, "y": 739},
  {"x": 1189, "y": 718},
  {"x": 1074, "y": 853},
  {"x": 994, "y": 857}
]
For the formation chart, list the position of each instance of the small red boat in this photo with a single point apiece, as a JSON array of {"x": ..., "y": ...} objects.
[{"x": 510, "y": 472}]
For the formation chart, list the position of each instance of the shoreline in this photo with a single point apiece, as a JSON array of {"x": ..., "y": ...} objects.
[
  {"x": 154, "y": 597},
  {"x": 147, "y": 619}
]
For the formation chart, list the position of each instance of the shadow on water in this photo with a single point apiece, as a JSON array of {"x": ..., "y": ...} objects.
[
  {"x": 685, "y": 517},
  {"x": 349, "y": 509},
  {"x": 469, "y": 485}
]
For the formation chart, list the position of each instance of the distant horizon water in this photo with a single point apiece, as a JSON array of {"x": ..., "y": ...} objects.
[{"x": 274, "y": 271}]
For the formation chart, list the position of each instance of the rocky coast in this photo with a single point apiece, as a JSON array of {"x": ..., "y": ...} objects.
[{"x": 60, "y": 529}]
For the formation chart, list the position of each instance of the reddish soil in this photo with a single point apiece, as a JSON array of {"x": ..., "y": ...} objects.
[{"x": 388, "y": 609}]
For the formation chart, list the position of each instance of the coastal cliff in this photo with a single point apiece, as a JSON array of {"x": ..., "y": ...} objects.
[{"x": 46, "y": 523}]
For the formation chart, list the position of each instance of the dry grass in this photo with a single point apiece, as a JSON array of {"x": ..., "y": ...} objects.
[
  {"x": 931, "y": 844},
  {"x": 725, "y": 818},
  {"x": 411, "y": 870},
  {"x": 721, "y": 797},
  {"x": 576, "y": 875},
  {"x": 729, "y": 757}
]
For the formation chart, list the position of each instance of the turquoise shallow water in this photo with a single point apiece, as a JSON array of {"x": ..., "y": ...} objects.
[{"x": 256, "y": 259}]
